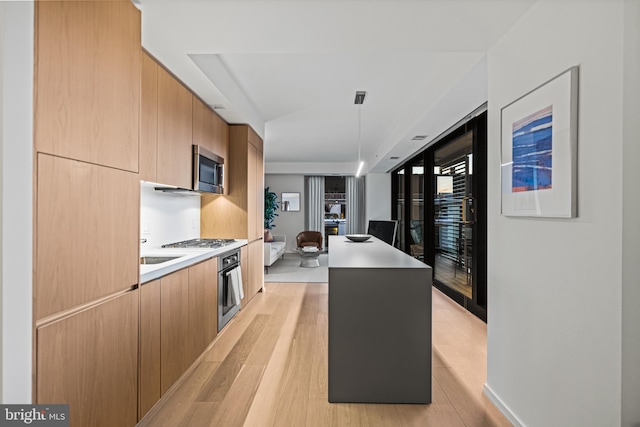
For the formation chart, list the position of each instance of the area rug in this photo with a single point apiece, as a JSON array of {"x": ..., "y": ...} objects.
[{"x": 287, "y": 269}]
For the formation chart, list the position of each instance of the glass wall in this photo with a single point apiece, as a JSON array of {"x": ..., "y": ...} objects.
[
  {"x": 453, "y": 218},
  {"x": 399, "y": 184},
  {"x": 440, "y": 205},
  {"x": 416, "y": 213}
]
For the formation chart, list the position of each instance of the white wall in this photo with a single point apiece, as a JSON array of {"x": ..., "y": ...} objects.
[
  {"x": 631, "y": 225},
  {"x": 311, "y": 168},
  {"x": 16, "y": 180},
  {"x": 378, "y": 196},
  {"x": 167, "y": 218},
  {"x": 288, "y": 223},
  {"x": 554, "y": 314}
]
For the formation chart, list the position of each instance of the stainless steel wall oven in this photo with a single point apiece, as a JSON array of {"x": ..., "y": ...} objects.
[{"x": 228, "y": 300}]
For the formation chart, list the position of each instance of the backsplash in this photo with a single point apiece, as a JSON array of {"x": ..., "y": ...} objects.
[{"x": 167, "y": 217}]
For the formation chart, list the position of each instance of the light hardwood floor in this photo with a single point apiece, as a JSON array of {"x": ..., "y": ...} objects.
[{"x": 269, "y": 368}]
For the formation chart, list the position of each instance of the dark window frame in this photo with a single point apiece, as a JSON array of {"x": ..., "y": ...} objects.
[{"x": 478, "y": 303}]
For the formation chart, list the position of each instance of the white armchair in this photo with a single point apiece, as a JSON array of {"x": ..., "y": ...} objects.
[{"x": 274, "y": 250}]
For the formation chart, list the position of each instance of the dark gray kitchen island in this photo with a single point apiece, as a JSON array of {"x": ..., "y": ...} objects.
[{"x": 379, "y": 324}]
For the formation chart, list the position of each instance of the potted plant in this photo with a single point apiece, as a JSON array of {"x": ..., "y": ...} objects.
[{"x": 270, "y": 208}]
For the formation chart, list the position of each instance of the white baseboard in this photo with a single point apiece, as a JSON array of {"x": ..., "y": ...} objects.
[{"x": 502, "y": 407}]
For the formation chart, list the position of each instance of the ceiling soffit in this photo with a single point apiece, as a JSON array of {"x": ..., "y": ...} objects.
[{"x": 291, "y": 68}]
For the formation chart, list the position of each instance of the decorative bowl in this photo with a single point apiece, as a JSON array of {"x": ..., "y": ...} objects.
[{"x": 358, "y": 237}]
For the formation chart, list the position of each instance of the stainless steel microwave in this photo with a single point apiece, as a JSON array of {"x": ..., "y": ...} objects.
[{"x": 208, "y": 171}]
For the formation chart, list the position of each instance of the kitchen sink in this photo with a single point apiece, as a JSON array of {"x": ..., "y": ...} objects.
[{"x": 156, "y": 259}]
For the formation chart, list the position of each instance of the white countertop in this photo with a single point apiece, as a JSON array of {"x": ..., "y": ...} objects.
[
  {"x": 373, "y": 253},
  {"x": 186, "y": 257}
]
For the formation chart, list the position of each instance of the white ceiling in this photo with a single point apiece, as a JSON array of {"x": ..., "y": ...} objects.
[{"x": 291, "y": 69}]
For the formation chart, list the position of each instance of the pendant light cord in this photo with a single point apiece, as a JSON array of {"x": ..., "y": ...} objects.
[{"x": 359, "y": 130}]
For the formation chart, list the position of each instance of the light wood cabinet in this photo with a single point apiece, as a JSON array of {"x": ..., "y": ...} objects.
[
  {"x": 89, "y": 360},
  {"x": 244, "y": 268},
  {"x": 178, "y": 320},
  {"x": 240, "y": 212},
  {"x": 224, "y": 216},
  {"x": 255, "y": 183},
  {"x": 86, "y": 243},
  {"x": 174, "y": 155},
  {"x": 256, "y": 268},
  {"x": 150, "y": 338},
  {"x": 252, "y": 189},
  {"x": 256, "y": 193},
  {"x": 259, "y": 194},
  {"x": 220, "y": 136},
  {"x": 174, "y": 327},
  {"x": 149, "y": 119},
  {"x": 209, "y": 130},
  {"x": 203, "y": 306},
  {"x": 87, "y": 109},
  {"x": 87, "y": 81}
]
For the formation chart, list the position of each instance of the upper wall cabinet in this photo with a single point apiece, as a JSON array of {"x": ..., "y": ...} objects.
[
  {"x": 149, "y": 119},
  {"x": 87, "y": 81},
  {"x": 240, "y": 212},
  {"x": 209, "y": 130},
  {"x": 174, "y": 157},
  {"x": 255, "y": 184}
]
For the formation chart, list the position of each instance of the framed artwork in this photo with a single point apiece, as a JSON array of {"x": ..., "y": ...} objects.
[
  {"x": 539, "y": 140},
  {"x": 290, "y": 202}
]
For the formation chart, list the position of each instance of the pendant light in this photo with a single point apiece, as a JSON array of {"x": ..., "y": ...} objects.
[{"x": 359, "y": 101}]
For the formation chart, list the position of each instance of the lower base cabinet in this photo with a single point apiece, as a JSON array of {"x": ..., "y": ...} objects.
[
  {"x": 178, "y": 320},
  {"x": 126, "y": 352},
  {"x": 89, "y": 360},
  {"x": 256, "y": 268},
  {"x": 149, "y": 368},
  {"x": 244, "y": 267},
  {"x": 203, "y": 306},
  {"x": 174, "y": 327}
]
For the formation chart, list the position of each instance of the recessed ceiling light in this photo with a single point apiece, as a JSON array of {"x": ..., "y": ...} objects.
[
  {"x": 419, "y": 137},
  {"x": 218, "y": 107},
  {"x": 394, "y": 158},
  {"x": 360, "y": 97}
]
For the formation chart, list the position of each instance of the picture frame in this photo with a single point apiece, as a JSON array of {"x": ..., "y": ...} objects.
[
  {"x": 539, "y": 143},
  {"x": 290, "y": 202}
]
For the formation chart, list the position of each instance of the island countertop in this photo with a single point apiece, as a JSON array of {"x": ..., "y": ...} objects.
[
  {"x": 373, "y": 253},
  {"x": 379, "y": 312}
]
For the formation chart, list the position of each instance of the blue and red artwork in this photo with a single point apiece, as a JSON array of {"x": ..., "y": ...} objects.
[{"x": 532, "y": 151}]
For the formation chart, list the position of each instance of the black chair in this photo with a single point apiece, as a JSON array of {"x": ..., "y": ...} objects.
[{"x": 383, "y": 230}]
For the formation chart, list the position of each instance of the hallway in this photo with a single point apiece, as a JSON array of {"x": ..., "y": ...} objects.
[{"x": 269, "y": 368}]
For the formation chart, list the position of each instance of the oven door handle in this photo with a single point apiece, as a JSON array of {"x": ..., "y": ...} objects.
[{"x": 228, "y": 271}]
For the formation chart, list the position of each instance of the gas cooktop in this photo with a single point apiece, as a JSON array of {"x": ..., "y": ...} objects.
[{"x": 200, "y": 243}]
